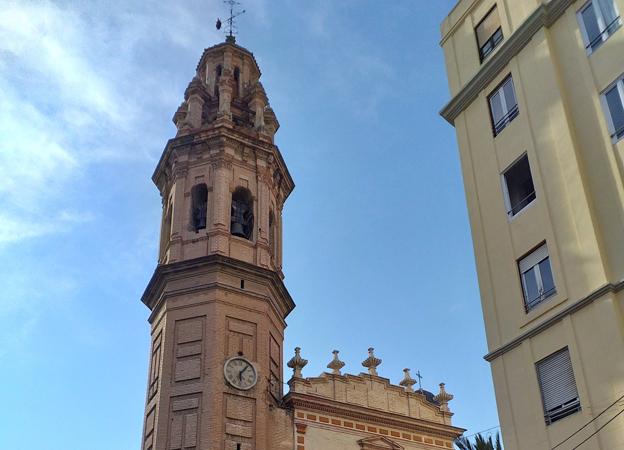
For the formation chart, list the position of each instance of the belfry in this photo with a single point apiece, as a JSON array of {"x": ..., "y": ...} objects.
[{"x": 218, "y": 304}]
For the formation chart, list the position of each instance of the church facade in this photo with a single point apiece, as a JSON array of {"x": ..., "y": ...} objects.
[{"x": 219, "y": 305}]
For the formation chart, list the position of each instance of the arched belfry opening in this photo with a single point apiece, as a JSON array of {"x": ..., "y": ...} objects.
[
  {"x": 199, "y": 207},
  {"x": 218, "y": 71},
  {"x": 272, "y": 233},
  {"x": 242, "y": 216},
  {"x": 236, "y": 92}
]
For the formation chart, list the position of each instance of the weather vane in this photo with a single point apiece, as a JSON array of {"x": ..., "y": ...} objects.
[{"x": 230, "y": 21}]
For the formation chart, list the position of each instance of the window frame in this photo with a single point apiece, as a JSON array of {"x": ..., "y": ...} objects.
[
  {"x": 509, "y": 115},
  {"x": 483, "y": 57},
  {"x": 619, "y": 85},
  {"x": 507, "y": 199},
  {"x": 531, "y": 304},
  {"x": 567, "y": 408},
  {"x": 604, "y": 34}
]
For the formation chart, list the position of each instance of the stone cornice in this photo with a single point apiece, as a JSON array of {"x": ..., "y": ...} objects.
[
  {"x": 544, "y": 16},
  {"x": 608, "y": 288},
  {"x": 153, "y": 295},
  {"x": 222, "y": 132},
  {"x": 346, "y": 410}
]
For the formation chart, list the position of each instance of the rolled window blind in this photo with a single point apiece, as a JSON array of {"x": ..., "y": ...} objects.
[
  {"x": 557, "y": 383},
  {"x": 487, "y": 27}
]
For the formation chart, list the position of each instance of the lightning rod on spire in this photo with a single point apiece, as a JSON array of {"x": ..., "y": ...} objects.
[{"x": 230, "y": 22}]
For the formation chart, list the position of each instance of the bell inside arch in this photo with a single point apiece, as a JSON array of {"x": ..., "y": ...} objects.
[{"x": 242, "y": 218}]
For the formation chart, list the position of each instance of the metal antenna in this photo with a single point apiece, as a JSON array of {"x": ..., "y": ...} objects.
[
  {"x": 420, "y": 377},
  {"x": 230, "y": 21}
]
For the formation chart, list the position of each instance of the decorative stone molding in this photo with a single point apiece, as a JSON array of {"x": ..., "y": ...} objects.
[
  {"x": 443, "y": 398},
  {"x": 378, "y": 443},
  {"x": 335, "y": 364},
  {"x": 544, "y": 16},
  {"x": 297, "y": 363},
  {"x": 609, "y": 288},
  {"x": 371, "y": 420},
  {"x": 407, "y": 381},
  {"x": 371, "y": 363}
]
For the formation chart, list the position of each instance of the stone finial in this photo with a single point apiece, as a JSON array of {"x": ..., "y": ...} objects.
[
  {"x": 297, "y": 363},
  {"x": 443, "y": 398},
  {"x": 407, "y": 382},
  {"x": 371, "y": 362},
  {"x": 335, "y": 364}
]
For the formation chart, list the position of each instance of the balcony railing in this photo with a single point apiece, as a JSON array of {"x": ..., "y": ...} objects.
[
  {"x": 520, "y": 205},
  {"x": 619, "y": 134},
  {"x": 529, "y": 304},
  {"x": 562, "y": 411},
  {"x": 604, "y": 34},
  {"x": 505, "y": 120}
]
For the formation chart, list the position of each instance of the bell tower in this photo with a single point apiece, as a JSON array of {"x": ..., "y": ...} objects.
[{"x": 217, "y": 300}]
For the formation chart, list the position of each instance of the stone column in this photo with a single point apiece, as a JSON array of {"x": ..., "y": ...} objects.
[
  {"x": 195, "y": 108},
  {"x": 257, "y": 104},
  {"x": 178, "y": 214},
  {"x": 221, "y": 206},
  {"x": 225, "y": 94}
]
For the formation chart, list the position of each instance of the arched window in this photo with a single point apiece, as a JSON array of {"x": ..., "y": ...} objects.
[
  {"x": 218, "y": 71},
  {"x": 272, "y": 233},
  {"x": 235, "y": 93},
  {"x": 242, "y": 216},
  {"x": 199, "y": 206}
]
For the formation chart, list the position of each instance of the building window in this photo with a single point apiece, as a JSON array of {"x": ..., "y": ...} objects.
[
  {"x": 537, "y": 278},
  {"x": 489, "y": 33},
  {"x": 199, "y": 206},
  {"x": 599, "y": 19},
  {"x": 242, "y": 216},
  {"x": 613, "y": 102},
  {"x": 503, "y": 105},
  {"x": 518, "y": 186},
  {"x": 558, "y": 386}
]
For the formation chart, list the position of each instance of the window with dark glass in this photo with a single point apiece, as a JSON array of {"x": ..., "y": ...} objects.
[
  {"x": 613, "y": 101},
  {"x": 558, "y": 386},
  {"x": 518, "y": 186},
  {"x": 489, "y": 33},
  {"x": 599, "y": 19},
  {"x": 537, "y": 278},
  {"x": 503, "y": 105}
]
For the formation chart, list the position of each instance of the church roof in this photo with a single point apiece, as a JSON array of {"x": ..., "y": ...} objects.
[{"x": 223, "y": 45}]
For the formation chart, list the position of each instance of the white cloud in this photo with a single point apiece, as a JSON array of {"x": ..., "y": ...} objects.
[{"x": 73, "y": 90}]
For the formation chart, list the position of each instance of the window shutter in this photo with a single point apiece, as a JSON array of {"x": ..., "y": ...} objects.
[
  {"x": 488, "y": 27},
  {"x": 533, "y": 259},
  {"x": 557, "y": 383}
]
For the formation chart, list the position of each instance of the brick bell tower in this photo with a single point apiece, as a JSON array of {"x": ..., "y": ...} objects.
[{"x": 217, "y": 300}]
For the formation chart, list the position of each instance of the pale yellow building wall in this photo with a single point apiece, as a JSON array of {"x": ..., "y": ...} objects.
[{"x": 578, "y": 212}]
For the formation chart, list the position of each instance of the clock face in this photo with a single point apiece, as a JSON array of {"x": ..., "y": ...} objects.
[{"x": 240, "y": 373}]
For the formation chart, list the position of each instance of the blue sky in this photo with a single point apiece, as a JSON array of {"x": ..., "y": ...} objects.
[{"x": 377, "y": 247}]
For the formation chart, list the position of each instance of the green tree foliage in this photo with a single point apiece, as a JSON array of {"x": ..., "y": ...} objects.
[{"x": 480, "y": 443}]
